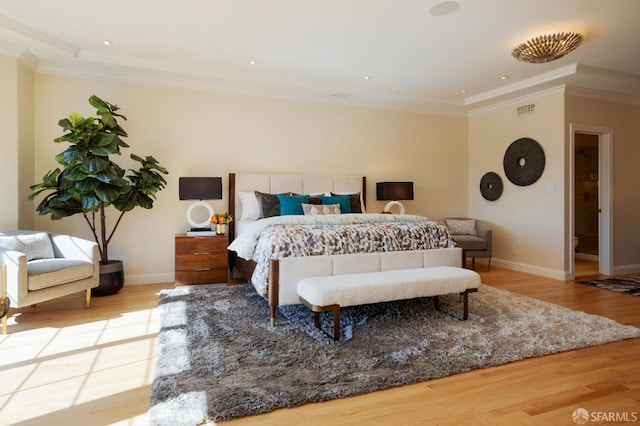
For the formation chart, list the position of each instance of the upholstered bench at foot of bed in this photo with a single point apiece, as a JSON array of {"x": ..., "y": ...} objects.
[{"x": 330, "y": 293}]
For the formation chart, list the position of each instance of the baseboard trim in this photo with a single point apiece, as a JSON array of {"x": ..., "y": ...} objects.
[
  {"x": 589, "y": 257},
  {"x": 140, "y": 279},
  {"x": 531, "y": 269},
  {"x": 626, "y": 269}
]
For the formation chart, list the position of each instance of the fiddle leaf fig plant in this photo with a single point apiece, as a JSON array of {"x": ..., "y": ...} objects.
[{"x": 90, "y": 181}]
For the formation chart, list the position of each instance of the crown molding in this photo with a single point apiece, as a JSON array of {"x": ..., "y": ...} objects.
[
  {"x": 10, "y": 50},
  {"x": 196, "y": 81},
  {"x": 602, "y": 95},
  {"x": 39, "y": 36},
  {"x": 526, "y": 84},
  {"x": 19, "y": 53},
  {"x": 29, "y": 60},
  {"x": 558, "y": 90}
]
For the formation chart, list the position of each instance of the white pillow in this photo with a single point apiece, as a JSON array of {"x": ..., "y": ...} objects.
[
  {"x": 318, "y": 209},
  {"x": 34, "y": 246},
  {"x": 250, "y": 206}
]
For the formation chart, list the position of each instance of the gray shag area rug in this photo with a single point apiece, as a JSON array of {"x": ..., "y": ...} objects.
[{"x": 218, "y": 358}]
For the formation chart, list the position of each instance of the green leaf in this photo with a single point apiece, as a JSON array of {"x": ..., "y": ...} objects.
[
  {"x": 90, "y": 202},
  {"x": 87, "y": 185},
  {"x": 97, "y": 103},
  {"x": 96, "y": 164},
  {"x": 108, "y": 175},
  {"x": 126, "y": 202},
  {"x": 108, "y": 193},
  {"x": 66, "y": 208},
  {"x": 104, "y": 139},
  {"x": 76, "y": 174},
  {"x": 65, "y": 124},
  {"x": 75, "y": 119},
  {"x": 71, "y": 156}
]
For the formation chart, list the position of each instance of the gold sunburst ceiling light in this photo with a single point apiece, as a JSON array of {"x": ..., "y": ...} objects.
[{"x": 547, "y": 48}]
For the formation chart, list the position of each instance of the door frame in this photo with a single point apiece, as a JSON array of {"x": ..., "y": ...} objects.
[{"x": 605, "y": 204}]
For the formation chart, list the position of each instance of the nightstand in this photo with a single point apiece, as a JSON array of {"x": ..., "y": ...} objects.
[{"x": 201, "y": 259}]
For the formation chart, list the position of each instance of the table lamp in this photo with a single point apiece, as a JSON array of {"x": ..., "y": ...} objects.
[
  {"x": 394, "y": 191},
  {"x": 200, "y": 188}
]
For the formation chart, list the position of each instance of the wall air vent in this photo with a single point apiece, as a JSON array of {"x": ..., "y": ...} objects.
[
  {"x": 525, "y": 109},
  {"x": 339, "y": 95}
]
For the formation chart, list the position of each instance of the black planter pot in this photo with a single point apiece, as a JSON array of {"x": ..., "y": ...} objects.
[{"x": 111, "y": 279}]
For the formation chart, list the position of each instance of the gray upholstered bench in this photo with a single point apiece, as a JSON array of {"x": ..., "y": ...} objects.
[{"x": 330, "y": 293}]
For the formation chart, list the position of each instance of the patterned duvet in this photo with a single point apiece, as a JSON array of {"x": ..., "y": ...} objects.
[{"x": 286, "y": 236}]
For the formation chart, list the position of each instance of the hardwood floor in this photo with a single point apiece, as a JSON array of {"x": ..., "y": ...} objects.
[{"x": 62, "y": 364}]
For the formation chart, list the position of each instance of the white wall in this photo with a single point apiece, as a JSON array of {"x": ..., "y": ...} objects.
[
  {"x": 206, "y": 134},
  {"x": 25, "y": 143},
  {"x": 527, "y": 221},
  {"x": 9, "y": 143}
]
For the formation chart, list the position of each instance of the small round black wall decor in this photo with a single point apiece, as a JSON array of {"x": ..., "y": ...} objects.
[
  {"x": 491, "y": 186},
  {"x": 524, "y": 161}
]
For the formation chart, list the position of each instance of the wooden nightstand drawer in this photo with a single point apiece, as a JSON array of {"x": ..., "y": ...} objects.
[
  {"x": 201, "y": 259},
  {"x": 201, "y": 245},
  {"x": 201, "y": 276}
]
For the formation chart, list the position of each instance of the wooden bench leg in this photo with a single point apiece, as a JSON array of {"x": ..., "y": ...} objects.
[
  {"x": 316, "y": 316},
  {"x": 336, "y": 322},
  {"x": 436, "y": 303},
  {"x": 465, "y": 300},
  {"x": 272, "y": 312}
]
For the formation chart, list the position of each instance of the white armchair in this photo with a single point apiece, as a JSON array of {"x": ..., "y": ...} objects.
[{"x": 41, "y": 266}]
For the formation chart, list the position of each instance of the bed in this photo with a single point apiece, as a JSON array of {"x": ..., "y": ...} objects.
[{"x": 257, "y": 240}]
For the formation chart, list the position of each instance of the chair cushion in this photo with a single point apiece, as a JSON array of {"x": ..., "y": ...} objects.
[
  {"x": 34, "y": 246},
  {"x": 46, "y": 273},
  {"x": 469, "y": 242}
]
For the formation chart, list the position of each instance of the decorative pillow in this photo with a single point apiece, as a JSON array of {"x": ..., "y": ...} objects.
[
  {"x": 34, "y": 246},
  {"x": 462, "y": 226},
  {"x": 313, "y": 198},
  {"x": 269, "y": 204},
  {"x": 343, "y": 200},
  {"x": 315, "y": 209},
  {"x": 250, "y": 206},
  {"x": 355, "y": 201},
  {"x": 292, "y": 204}
]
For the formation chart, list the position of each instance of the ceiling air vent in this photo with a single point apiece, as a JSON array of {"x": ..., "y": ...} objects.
[{"x": 525, "y": 109}]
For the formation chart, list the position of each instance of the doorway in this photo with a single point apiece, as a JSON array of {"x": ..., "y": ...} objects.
[{"x": 590, "y": 239}]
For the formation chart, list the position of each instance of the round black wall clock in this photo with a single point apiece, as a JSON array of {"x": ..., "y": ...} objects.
[
  {"x": 491, "y": 186},
  {"x": 524, "y": 161}
]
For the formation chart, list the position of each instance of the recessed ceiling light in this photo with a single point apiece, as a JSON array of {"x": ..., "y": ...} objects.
[
  {"x": 252, "y": 62},
  {"x": 504, "y": 77},
  {"x": 107, "y": 43},
  {"x": 444, "y": 8},
  {"x": 463, "y": 91},
  {"x": 367, "y": 77}
]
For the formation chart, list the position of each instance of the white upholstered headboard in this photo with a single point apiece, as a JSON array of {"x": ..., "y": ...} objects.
[{"x": 300, "y": 184}]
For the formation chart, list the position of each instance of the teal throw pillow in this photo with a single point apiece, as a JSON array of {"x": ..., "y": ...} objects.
[{"x": 292, "y": 204}]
